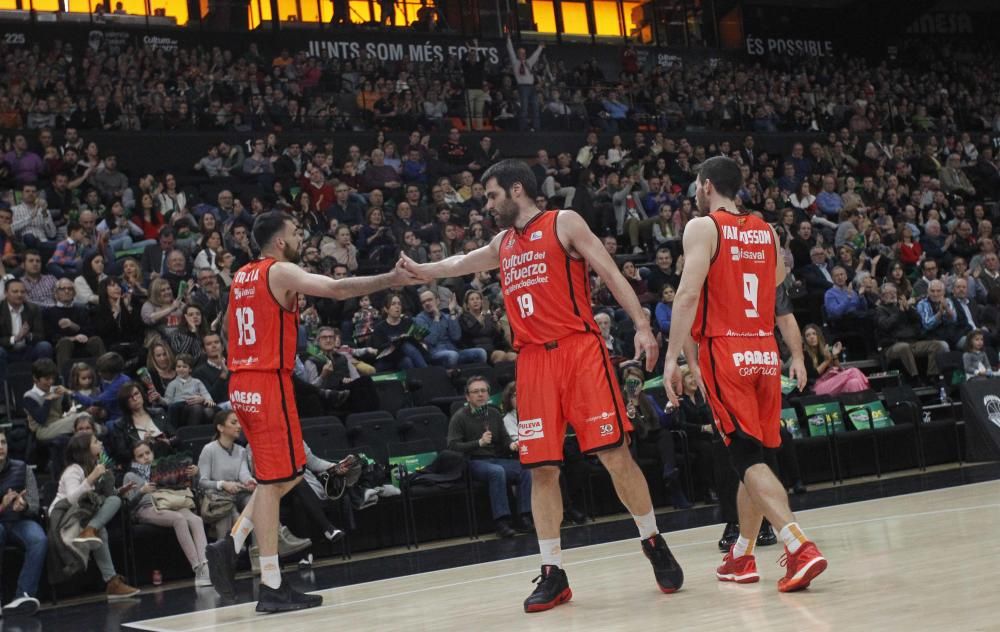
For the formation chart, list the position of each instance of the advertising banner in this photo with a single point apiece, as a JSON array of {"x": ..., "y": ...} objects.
[{"x": 981, "y": 412}]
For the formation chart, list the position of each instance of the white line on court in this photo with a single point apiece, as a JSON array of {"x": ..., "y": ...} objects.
[{"x": 149, "y": 625}]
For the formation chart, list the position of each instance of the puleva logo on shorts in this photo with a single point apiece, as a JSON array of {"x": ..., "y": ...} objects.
[
  {"x": 756, "y": 362},
  {"x": 528, "y": 429}
]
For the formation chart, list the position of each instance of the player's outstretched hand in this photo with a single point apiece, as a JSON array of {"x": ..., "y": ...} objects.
[
  {"x": 671, "y": 378},
  {"x": 645, "y": 344}
]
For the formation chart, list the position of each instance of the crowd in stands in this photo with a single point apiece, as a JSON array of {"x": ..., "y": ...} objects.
[
  {"x": 937, "y": 89},
  {"x": 115, "y": 283}
]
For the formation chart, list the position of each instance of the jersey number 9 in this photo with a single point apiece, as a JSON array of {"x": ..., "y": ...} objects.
[{"x": 751, "y": 285}]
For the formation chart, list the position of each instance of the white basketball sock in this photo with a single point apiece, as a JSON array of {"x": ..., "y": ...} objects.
[
  {"x": 270, "y": 571},
  {"x": 647, "y": 525},
  {"x": 742, "y": 547},
  {"x": 551, "y": 552},
  {"x": 791, "y": 534},
  {"x": 241, "y": 531}
]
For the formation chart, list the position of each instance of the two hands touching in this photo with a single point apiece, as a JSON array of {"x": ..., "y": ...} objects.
[{"x": 409, "y": 272}]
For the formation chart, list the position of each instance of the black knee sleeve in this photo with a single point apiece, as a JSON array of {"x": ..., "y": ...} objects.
[{"x": 745, "y": 453}]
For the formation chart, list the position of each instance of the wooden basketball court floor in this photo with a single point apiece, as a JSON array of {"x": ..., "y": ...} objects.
[{"x": 923, "y": 561}]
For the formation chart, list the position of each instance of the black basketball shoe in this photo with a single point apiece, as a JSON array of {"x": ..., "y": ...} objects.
[
  {"x": 552, "y": 590},
  {"x": 766, "y": 536},
  {"x": 729, "y": 536},
  {"x": 285, "y": 598},
  {"x": 669, "y": 576},
  {"x": 221, "y": 556}
]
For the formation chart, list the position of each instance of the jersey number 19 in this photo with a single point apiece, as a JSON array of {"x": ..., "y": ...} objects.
[{"x": 526, "y": 304}]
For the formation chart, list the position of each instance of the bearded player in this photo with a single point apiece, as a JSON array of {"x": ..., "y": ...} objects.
[
  {"x": 726, "y": 304},
  {"x": 564, "y": 374},
  {"x": 262, "y": 327}
]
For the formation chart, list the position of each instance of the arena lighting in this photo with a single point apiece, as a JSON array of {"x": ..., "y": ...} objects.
[{"x": 177, "y": 9}]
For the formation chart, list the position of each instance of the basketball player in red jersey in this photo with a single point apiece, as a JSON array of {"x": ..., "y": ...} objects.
[
  {"x": 262, "y": 327},
  {"x": 564, "y": 374},
  {"x": 725, "y": 304}
]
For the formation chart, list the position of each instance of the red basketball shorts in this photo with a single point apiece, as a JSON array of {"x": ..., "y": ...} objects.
[
  {"x": 743, "y": 380},
  {"x": 567, "y": 381},
  {"x": 264, "y": 402}
]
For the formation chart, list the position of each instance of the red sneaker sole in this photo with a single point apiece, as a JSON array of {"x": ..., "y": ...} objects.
[
  {"x": 667, "y": 591},
  {"x": 739, "y": 579},
  {"x": 563, "y": 597},
  {"x": 818, "y": 566}
]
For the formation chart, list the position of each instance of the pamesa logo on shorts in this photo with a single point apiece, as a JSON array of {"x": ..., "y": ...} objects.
[{"x": 245, "y": 397}]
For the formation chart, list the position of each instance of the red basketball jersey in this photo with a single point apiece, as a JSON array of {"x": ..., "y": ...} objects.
[
  {"x": 738, "y": 297},
  {"x": 262, "y": 333},
  {"x": 546, "y": 292}
]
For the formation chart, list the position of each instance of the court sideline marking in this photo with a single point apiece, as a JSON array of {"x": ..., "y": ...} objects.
[{"x": 312, "y": 611}]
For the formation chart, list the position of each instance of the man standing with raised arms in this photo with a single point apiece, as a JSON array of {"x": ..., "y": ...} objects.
[
  {"x": 564, "y": 374},
  {"x": 726, "y": 304},
  {"x": 262, "y": 327}
]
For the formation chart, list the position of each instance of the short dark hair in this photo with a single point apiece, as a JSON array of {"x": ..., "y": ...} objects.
[
  {"x": 166, "y": 231},
  {"x": 510, "y": 172},
  {"x": 267, "y": 225},
  {"x": 72, "y": 226},
  {"x": 186, "y": 358},
  {"x": 723, "y": 173},
  {"x": 44, "y": 367},
  {"x": 475, "y": 378},
  {"x": 139, "y": 443},
  {"x": 110, "y": 364}
]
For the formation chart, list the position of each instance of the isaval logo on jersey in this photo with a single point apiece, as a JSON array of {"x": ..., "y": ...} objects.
[
  {"x": 535, "y": 236},
  {"x": 738, "y": 254}
]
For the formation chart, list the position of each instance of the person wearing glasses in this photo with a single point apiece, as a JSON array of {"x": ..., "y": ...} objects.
[
  {"x": 70, "y": 326},
  {"x": 477, "y": 431},
  {"x": 444, "y": 333}
]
